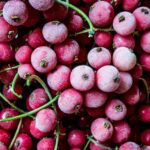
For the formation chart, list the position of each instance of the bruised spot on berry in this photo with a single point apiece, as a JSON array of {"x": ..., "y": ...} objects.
[
  {"x": 15, "y": 18},
  {"x": 85, "y": 77},
  {"x": 117, "y": 79},
  {"x": 17, "y": 143},
  {"x": 8, "y": 115},
  {"x": 11, "y": 34},
  {"x": 106, "y": 125},
  {"x": 56, "y": 22},
  {"x": 119, "y": 108},
  {"x": 145, "y": 11},
  {"x": 99, "y": 49},
  {"x": 121, "y": 18}
]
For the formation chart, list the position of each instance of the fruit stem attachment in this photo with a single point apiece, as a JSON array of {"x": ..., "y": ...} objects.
[
  {"x": 31, "y": 112},
  {"x": 13, "y": 86},
  {"x": 57, "y": 137},
  {"x": 10, "y": 68},
  {"x": 15, "y": 135},
  {"x": 91, "y": 31},
  {"x": 146, "y": 88}
]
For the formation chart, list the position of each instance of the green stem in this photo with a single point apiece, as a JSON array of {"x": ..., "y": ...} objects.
[
  {"x": 87, "y": 144},
  {"x": 15, "y": 135},
  {"x": 12, "y": 105},
  {"x": 146, "y": 88},
  {"x": 99, "y": 144},
  {"x": 57, "y": 137},
  {"x": 13, "y": 86},
  {"x": 10, "y": 68},
  {"x": 91, "y": 30},
  {"x": 31, "y": 112},
  {"x": 37, "y": 78}
]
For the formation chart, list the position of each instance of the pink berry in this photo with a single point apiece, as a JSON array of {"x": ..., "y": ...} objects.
[
  {"x": 126, "y": 82},
  {"x": 46, "y": 144},
  {"x": 130, "y": 5},
  {"x": 67, "y": 51},
  {"x": 41, "y": 5},
  {"x": 145, "y": 61},
  {"x": 23, "y": 141},
  {"x": 75, "y": 149},
  {"x": 45, "y": 120},
  {"x": 121, "y": 133},
  {"x": 95, "y": 54},
  {"x": 145, "y": 137},
  {"x": 52, "y": 14},
  {"x": 146, "y": 148},
  {"x": 101, "y": 14},
  {"x": 36, "y": 39},
  {"x": 115, "y": 110},
  {"x": 85, "y": 77},
  {"x": 142, "y": 15},
  {"x": 124, "y": 23},
  {"x": 123, "y": 41},
  {"x": 60, "y": 78},
  {"x": 15, "y": 12},
  {"x": 6, "y": 52},
  {"x": 25, "y": 70},
  {"x": 103, "y": 39},
  {"x": 3, "y": 147},
  {"x": 145, "y": 42},
  {"x": 144, "y": 112},
  {"x": 8, "y": 33},
  {"x": 129, "y": 145},
  {"x": 43, "y": 59},
  {"x": 132, "y": 97},
  {"x": 76, "y": 138},
  {"x": 6, "y": 113},
  {"x": 97, "y": 147},
  {"x": 124, "y": 59},
  {"x": 7, "y": 92},
  {"x": 101, "y": 129},
  {"x": 55, "y": 32},
  {"x": 95, "y": 98},
  {"x": 23, "y": 55},
  {"x": 70, "y": 101},
  {"x": 5, "y": 136},
  {"x": 108, "y": 78},
  {"x": 37, "y": 98}
]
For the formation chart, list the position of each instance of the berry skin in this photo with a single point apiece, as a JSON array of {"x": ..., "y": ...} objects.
[
  {"x": 55, "y": 32},
  {"x": 6, "y": 113},
  {"x": 23, "y": 141},
  {"x": 60, "y": 78},
  {"x": 124, "y": 41},
  {"x": 67, "y": 51},
  {"x": 115, "y": 110},
  {"x": 142, "y": 15},
  {"x": 70, "y": 101},
  {"x": 37, "y": 98},
  {"x": 45, "y": 120},
  {"x": 95, "y": 98},
  {"x": 124, "y": 23},
  {"x": 145, "y": 137},
  {"x": 8, "y": 33},
  {"x": 97, "y": 147},
  {"x": 145, "y": 61},
  {"x": 23, "y": 55},
  {"x": 144, "y": 112},
  {"x": 76, "y": 138},
  {"x": 26, "y": 70},
  {"x": 15, "y": 12},
  {"x": 86, "y": 77},
  {"x": 121, "y": 133},
  {"x": 124, "y": 59},
  {"x": 108, "y": 78},
  {"x": 41, "y": 5},
  {"x": 36, "y": 39},
  {"x": 101, "y": 129},
  {"x": 95, "y": 54},
  {"x": 101, "y": 14},
  {"x": 5, "y": 136},
  {"x": 103, "y": 39},
  {"x": 3, "y": 147},
  {"x": 46, "y": 144},
  {"x": 43, "y": 59},
  {"x": 129, "y": 145},
  {"x": 145, "y": 42},
  {"x": 126, "y": 82},
  {"x": 130, "y": 5}
]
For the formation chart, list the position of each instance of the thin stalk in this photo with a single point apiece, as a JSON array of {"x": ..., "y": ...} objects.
[
  {"x": 91, "y": 30},
  {"x": 31, "y": 112},
  {"x": 13, "y": 86},
  {"x": 10, "y": 68},
  {"x": 87, "y": 144},
  {"x": 57, "y": 137},
  {"x": 12, "y": 105},
  {"x": 99, "y": 144},
  {"x": 15, "y": 135}
]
